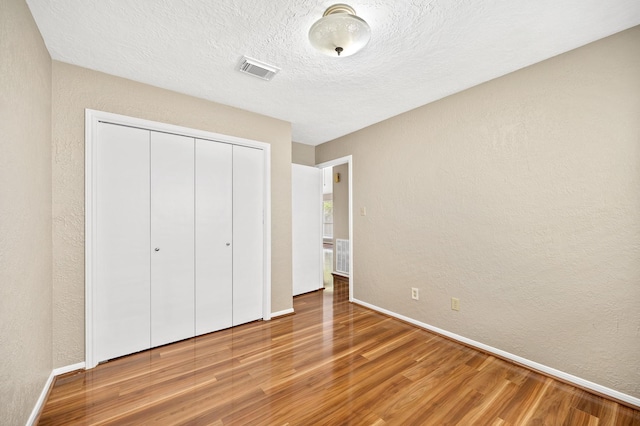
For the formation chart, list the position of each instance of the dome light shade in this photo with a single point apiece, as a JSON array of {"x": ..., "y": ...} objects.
[{"x": 339, "y": 32}]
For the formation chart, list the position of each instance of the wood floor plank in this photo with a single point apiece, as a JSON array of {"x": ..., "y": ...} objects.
[
  {"x": 554, "y": 407},
  {"x": 332, "y": 363}
]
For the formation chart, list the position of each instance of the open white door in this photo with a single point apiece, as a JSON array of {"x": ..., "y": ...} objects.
[{"x": 306, "y": 194}]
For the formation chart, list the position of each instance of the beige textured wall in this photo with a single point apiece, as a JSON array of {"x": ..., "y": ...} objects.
[
  {"x": 340, "y": 206},
  {"x": 303, "y": 154},
  {"x": 25, "y": 213},
  {"x": 521, "y": 197},
  {"x": 75, "y": 89}
]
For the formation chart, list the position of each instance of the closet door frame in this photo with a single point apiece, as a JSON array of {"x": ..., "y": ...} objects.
[{"x": 92, "y": 118}]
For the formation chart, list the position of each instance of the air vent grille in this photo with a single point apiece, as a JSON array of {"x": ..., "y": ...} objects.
[
  {"x": 342, "y": 256},
  {"x": 257, "y": 69}
]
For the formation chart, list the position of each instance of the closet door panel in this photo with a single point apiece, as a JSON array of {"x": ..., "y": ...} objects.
[
  {"x": 122, "y": 276},
  {"x": 214, "y": 198},
  {"x": 172, "y": 238},
  {"x": 248, "y": 236}
]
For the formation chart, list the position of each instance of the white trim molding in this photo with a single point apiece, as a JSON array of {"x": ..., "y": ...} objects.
[
  {"x": 349, "y": 161},
  {"x": 68, "y": 369},
  {"x": 578, "y": 381},
  {"x": 92, "y": 118},
  {"x": 41, "y": 400},
  {"x": 282, "y": 313},
  {"x": 37, "y": 409}
]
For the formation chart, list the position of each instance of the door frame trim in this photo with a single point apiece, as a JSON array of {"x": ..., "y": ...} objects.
[
  {"x": 92, "y": 118},
  {"x": 349, "y": 161}
]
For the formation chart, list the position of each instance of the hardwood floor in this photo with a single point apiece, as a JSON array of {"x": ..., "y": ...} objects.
[{"x": 332, "y": 363}]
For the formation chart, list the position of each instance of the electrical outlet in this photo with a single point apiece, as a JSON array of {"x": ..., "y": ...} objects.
[
  {"x": 414, "y": 293},
  {"x": 455, "y": 304}
]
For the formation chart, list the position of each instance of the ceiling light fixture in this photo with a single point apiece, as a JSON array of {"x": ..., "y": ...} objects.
[{"x": 339, "y": 32}]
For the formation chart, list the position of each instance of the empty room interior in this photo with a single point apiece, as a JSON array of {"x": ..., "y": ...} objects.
[{"x": 482, "y": 264}]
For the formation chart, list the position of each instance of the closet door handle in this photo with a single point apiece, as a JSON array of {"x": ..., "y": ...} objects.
[
  {"x": 157, "y": 249},
  {"x": 228, "y": 244}
]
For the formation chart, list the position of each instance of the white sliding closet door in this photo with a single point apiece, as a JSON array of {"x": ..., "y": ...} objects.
[
  {"x": 214, "y": 202},
  {"x": 172, "y": 238},
  {"x": 122, "y": 287},
  {"x": 248, "y": 237}
]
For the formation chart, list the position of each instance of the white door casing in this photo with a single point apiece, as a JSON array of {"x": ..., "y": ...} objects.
[{"x": 347, "y": 160}]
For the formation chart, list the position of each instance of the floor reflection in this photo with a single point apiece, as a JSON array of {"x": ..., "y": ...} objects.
[{"x": 327, "y": 267}]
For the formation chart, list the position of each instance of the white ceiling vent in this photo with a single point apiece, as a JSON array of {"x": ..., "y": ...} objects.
[{"x": 257, "y": 69}]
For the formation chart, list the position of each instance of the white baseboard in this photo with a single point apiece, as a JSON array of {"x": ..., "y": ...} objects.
[
  {"x": 45, "y": 390},
  {"x": 41, "y": 399},
  {"x": 603, "y": 390},
  {"x": 68, "y": 368},
  {"x": 281, "y": 313}
]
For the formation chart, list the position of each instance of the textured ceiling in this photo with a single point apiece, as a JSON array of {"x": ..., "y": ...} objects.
[{"x": 420, "y": 50}]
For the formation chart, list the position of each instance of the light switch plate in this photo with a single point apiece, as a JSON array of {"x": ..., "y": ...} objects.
[{"x": 455, "y": 304}]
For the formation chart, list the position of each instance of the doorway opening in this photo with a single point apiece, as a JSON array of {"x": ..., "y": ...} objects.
[
  {"x": 337, "y": 235},
  {"x": 327, "y": 228}
]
